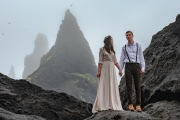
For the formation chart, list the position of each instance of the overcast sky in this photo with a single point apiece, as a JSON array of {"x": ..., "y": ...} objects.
[{"x": 96, "y": 19}]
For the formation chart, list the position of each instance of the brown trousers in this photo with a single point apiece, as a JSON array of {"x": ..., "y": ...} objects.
[{"x": 133, "y": 70}]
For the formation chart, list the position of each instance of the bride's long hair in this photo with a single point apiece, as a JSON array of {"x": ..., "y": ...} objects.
[{"x": 107, "y": 44}]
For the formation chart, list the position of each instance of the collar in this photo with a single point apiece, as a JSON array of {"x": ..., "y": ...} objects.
[{"x": 134, "y": 43}]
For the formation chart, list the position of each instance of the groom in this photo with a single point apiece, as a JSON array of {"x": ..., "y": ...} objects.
[{"x": 133, "y": 59}]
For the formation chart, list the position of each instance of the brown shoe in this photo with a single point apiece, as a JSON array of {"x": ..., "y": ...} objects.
[
  {"x": 138, "y": 108},
  {"x": 131, "y": 107}
]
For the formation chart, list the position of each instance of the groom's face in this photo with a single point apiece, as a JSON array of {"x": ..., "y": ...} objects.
[{"x": 129, "y": 36}]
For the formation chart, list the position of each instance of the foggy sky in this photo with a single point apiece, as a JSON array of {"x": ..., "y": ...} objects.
[{"x": 96, "y": 19}]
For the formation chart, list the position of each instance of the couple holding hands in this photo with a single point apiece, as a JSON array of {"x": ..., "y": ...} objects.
[{"x": 132, "y": 58}]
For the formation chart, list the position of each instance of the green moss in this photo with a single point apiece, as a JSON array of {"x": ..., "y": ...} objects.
[
  {"x": 28, "y": 79},
  {"x": 48, "y": 58},
  {"x": 89, "y": 77},
  {"x": 75, "y": 81}
]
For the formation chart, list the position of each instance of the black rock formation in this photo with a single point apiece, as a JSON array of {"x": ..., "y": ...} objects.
[
  {"x": 120, "y": 115},
  {"x": 12, "y": 73},
  {"x": 69, "y": 66},
  {"x": 32, "y": 61},
  {"x": 161, "y": 82},
  {"x": 22, "y": 98},
  {"x": 164, "y": 110},
  {"x": 6, "y": 115}
]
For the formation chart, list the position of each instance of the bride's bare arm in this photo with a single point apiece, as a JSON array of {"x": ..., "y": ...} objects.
[
  {"x": 120, "y": 71},
  {"x": 99, "y": 70},
  {"x": 118, "y": 67}
]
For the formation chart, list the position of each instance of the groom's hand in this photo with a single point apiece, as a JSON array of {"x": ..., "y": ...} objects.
[
  {"x": 142, "y": 71},
  {"x": 120, "y": 73}
]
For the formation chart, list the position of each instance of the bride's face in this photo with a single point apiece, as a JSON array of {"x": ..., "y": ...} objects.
[{"x": 111, "y": 41}]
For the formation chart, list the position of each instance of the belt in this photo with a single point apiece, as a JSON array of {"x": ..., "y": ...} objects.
[{"x": 132, "y": 63}]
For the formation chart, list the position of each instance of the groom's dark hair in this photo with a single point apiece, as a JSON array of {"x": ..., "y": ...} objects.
[{"x": 129, "y": 32}]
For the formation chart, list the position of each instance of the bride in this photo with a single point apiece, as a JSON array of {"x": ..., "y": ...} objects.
[{"x": 108, "y": 93}]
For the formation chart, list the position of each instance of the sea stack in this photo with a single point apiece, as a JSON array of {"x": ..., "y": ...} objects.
[
  {"x": 32, "y": 61},
  {"x": 69, "y": 66},
  {"x": 12, "y": 73}
]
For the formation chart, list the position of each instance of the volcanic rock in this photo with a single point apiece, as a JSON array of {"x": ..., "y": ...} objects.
[
  {"x": 20, "y": 98},
  {"x": 6, "y": 115},
  {"x": 164, "y": 110},
  {"x": 120, "y": 115}
]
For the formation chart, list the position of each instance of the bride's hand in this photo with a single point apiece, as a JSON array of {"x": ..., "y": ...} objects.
[
  {"x": 120, "y": 73},
  {"x": 98, "y": 74}
]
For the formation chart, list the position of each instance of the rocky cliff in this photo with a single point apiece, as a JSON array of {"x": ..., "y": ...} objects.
[
  {"x": 32, "y": 61},
  {"x": 69, "y": 66},
  {"x": 21, "y": 100},
  {"x": 161, "y": 82},
  {"x": 12, "y": 73}
]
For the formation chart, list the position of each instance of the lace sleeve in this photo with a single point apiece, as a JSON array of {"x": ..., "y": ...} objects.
[{"x": 101, "y": 56}]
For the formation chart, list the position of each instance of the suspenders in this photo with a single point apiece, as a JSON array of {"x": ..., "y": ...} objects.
[{"x": 136, "y": 52}]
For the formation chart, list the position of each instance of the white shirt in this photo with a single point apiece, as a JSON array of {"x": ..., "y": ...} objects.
[{"x": 131, "y": 50}]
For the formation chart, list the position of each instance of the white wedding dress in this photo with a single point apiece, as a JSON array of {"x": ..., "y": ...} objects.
[{"x": 107, "y": 93}]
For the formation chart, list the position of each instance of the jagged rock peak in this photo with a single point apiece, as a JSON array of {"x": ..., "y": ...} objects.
[
  {"x": 69, "y": 66},
  {"x": 70, "y": 19},
  {"x": 68, "y": 14},
  {"x": 178, "y": 18},
  {"x": 67, "y": 11}
]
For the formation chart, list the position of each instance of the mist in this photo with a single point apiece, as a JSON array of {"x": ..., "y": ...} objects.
[{"x": 21, "y": 22}]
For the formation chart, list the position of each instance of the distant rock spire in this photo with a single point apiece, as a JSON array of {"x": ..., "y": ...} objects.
[
  {"x": 12, "y": 73},
  {"x": 32, "y": 61},
  {"x": 69, "y": 66}
]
